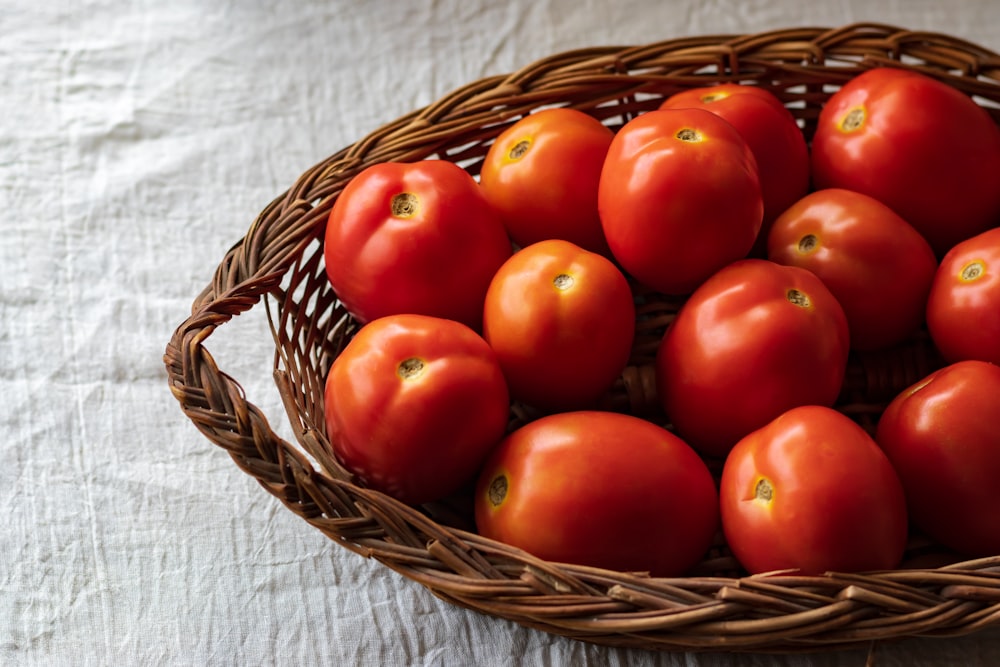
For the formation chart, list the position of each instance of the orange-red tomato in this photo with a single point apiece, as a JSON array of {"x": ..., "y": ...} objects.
[
  {"x": 916, "y": 144},
  {"x": 541, "y": 175},
  {"x": 963, "y": 308},
  {"x": 600, "y": 489},
  {"x": 679, "y": 198},
  {"x": 812, "y": 491},
  {"x": 776, "y": 140},
  {"x": 414, "y": 404},
  {"x": 755, "y": 340},
  {"x": 878, "y": 266},
  {"x": 561, "y": 320},
  {"x": 942, "y": 438},
  {"x": 414, "y": 238}
]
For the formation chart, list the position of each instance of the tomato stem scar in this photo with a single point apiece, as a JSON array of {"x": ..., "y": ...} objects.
[
  {"x": 411, "y": 368},
  {"x": 404, "y": 205},
  {"x": 688, "y": 134},
  {"x": 854, "y": 119},
  {"x": 763, "y": 491},
  {"x": 563, "y": 281},
  {"x": 800, "y": 299},
  {"x": 972, "y": 271},
  {"x": 498, "y": 490},
  {"x": 808, "y": 243},
  {"x": 518, "y": 150}
]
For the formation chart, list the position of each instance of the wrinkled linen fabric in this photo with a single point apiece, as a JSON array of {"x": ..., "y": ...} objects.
[{"x": 138, "y": 140}]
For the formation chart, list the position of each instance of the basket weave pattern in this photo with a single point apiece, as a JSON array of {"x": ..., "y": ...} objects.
[{"x": 718, "y": 606}]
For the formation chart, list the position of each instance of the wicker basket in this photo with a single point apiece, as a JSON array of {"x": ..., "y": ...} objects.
[{"x": 717, "y": 607}]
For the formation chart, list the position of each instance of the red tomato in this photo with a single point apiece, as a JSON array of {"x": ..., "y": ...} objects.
[
  {"x": 561, "y": 320},
  {"x": 878, "y": 266},
  {"x": 541, "y": 174},
  {"x": 755, "y": 340},
  {"x": 679, "y": 198},
  {"x": 601, "y": 489},
  {"x": 941, "y": 435},
  {"x": 916, "y": 144},
  {"x": 772, "y": 134},
  {"x": 812, "y": 491},
  {"x": 963, "y": 308},
  {"x": 414, "y": 404},
  {"x": 414, "y": 238}
]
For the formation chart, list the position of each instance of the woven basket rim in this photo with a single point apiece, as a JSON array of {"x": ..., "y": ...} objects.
[{"x": 780, "y": 612}]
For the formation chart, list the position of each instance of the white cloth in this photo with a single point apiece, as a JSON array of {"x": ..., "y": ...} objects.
[{"x": 138, "y": 140}]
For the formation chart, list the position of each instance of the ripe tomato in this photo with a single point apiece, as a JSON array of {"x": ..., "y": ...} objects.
[
  {"x": 770, "y": 129},
  {"x": 414, "y": 238},
  {"x": 601, "y": 489},
  {"x": 963, "y": 308},
  {"x": 941, "y": 436},
  {"x": 916, "y": 144},
  {"x": 561, "y": 321},
  {"x": 414, "y": 404},
  {"x": 812, "y": 491},
  {"x": 541, "y": 175},
  {"x": 755, "y": 340},
  {"x": 679, "y": 198},
  {"x": 878, "y": 266}
]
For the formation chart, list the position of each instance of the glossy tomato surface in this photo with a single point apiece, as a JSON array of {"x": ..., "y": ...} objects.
[
  {"x": 917, "y": 145},
  {"x": 561, "y": 320},
  {"x": 963, "y": 308},
  {"x": 541, "y": 175},
  {"x": 941, "y": 435},
  {"x": 414, "y": 404},
  {"x": 414, "y": 238},
  {"x": 600, "y": 489},
  {"x": 753, "y": 341},
  {"x": 878, "y": 267},
  {"x": 812, "y": 491},
  {"x": 777, "y": 142},
  {"x": 679, "y": 198}
]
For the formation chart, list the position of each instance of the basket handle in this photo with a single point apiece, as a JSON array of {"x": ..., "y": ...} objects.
[{"x": 252, "y": 268}]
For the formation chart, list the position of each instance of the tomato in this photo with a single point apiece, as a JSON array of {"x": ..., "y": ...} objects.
[
  {"x": 963, "y": 308},
  {"x": 877, "y": 265},
  {"x": 942, "y": 438},
  {"x": 561, "y": 320},
  {"x": 541, "y": 174},
  {"x": 778, "y": 145},
  {"x": 679, "y": 198},
  {"x": 414, "y": 404},
  {"x": 414, "y": 238},
  {"x": 812, "y": 491},
  {"x": 755, "y": 340},
  {"x": 601, "y": 489},
  {"x": 917, "y": 145}
]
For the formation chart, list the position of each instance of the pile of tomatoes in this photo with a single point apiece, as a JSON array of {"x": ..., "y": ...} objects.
[{"x": 519, "y": 287}]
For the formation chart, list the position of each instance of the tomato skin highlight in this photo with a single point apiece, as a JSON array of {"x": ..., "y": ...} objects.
[
  {"x": 679, "y": 198},
  {"x": 919, "y": 146},
  {"x": 414, "y": 404},
  {"x": 963, "y": 307},
  {"x": 834, "y": 501},
  {"x": 561, "y": 320},
  {"x": 942, "y": 438},
  {"x": 414, "y": 238},
  {"x": 549, "y": 189},
  {"x": 601, "y": 489},
  {"x": 878, "y": 267},
  {"x": 741, "y": 351}
]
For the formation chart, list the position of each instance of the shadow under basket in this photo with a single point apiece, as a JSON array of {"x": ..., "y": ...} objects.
[{"x": 717, "y": 607}]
